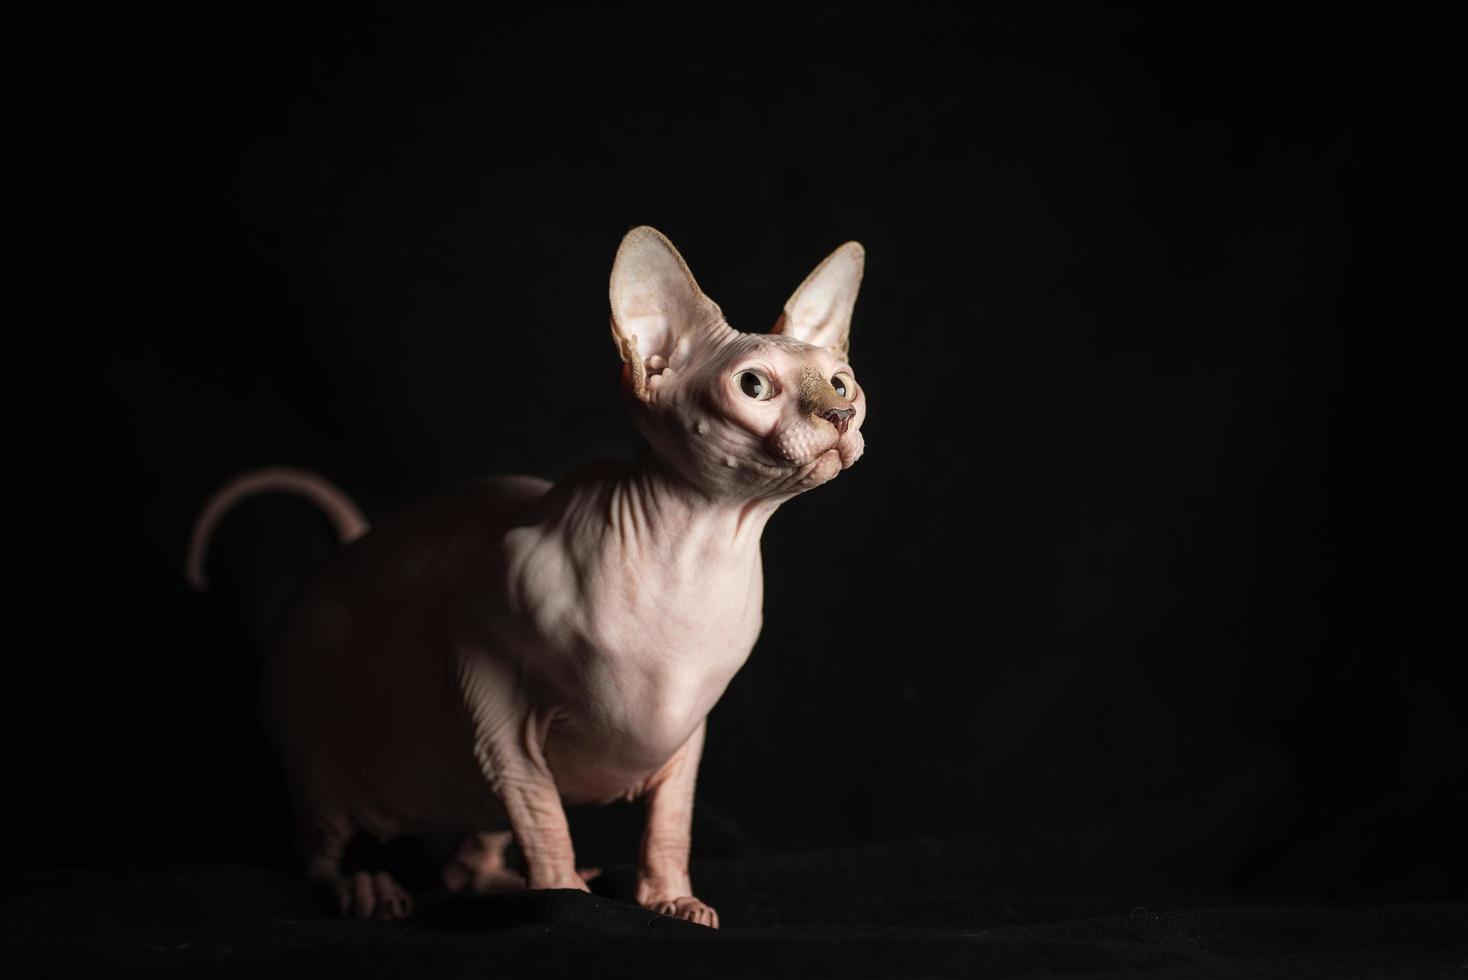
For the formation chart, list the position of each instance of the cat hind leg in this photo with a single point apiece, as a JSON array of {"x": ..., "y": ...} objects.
[{"x": 364, "y": 894}]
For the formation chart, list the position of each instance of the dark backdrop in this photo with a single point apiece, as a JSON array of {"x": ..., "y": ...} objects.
[{"x": 1152, "y": 544}]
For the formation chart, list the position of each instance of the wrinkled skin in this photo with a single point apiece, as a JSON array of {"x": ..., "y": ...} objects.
[{"x": 513, "y": 647}]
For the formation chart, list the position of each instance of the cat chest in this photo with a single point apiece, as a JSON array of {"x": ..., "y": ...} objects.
[
  {"x": 633, "y": 649},
  {"x": 658, "y": 651},
  {"x": 645, "y": 670},
  {"x": 641, "y": 613}
]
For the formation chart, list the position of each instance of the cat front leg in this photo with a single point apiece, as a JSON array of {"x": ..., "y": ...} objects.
[
  {"x": 663, "y": 884},
  {"x": 516, "y": 768}
]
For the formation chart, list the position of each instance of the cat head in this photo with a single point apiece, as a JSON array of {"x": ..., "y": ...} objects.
[{"x": 739, "y": 414}]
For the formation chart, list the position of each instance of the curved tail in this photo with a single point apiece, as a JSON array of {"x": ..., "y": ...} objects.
[{"x": 343, "y": 514}]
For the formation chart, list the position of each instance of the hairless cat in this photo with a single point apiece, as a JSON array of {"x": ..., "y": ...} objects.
[{"x": 515, "y": 646}]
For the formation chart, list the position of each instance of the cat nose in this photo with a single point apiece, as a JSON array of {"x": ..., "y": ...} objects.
[{"x": 839, "y": 417}]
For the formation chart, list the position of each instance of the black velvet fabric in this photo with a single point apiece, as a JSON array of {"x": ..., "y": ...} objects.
[{"x": 916, "y": 909}]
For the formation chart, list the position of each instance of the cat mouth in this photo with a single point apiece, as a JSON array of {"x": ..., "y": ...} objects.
[
  {"x": 849, "y": 448},
  {"x": 827, "y": 465}
]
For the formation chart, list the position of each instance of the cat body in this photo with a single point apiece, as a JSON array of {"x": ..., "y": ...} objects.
[{"x": 514, "y": 646}]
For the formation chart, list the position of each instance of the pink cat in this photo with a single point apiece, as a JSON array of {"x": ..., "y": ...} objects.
[{"x": 515, "y": 646}]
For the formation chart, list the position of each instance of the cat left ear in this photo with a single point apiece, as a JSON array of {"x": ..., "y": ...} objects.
[
  {"x": 655, "y": 304},
  {"x": 819, "y": 311}
]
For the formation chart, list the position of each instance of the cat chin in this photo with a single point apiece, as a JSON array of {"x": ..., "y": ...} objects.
[{"x": 824, "y": 468}]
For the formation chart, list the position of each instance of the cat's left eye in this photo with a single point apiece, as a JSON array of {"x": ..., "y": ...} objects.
[{"x": 843, "y": 384}]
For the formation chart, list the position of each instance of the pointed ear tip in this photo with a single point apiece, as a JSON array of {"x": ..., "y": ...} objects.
[
  {"x": 643, "y": 233},
  {"x": 644, "y": 242}
]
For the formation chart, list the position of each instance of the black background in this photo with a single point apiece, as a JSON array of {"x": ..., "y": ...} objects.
[{"x": 1155, "y": 542}]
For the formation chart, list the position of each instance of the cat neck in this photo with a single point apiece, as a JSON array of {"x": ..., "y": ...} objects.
[{"x": 655, "y": 506}]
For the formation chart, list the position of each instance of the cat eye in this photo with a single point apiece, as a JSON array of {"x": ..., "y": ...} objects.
[
  {"x": 844, "y": 386},
  {"x": 756, "y": 385}
]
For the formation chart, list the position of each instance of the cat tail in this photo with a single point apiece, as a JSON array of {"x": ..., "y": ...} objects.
[{"x": 344, "y": 515}]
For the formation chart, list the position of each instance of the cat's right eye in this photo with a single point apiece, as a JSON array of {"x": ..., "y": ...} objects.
[{"x": 756, "y": 385}]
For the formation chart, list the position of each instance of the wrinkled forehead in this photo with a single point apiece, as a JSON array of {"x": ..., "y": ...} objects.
[{"x": 780, "y": 349}]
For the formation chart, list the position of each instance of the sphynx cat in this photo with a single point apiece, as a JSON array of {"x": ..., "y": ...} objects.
[{"x": 515, "y": 646}]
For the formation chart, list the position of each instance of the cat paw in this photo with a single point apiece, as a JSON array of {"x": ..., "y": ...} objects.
[
  {"x": 686, "y": 907},
  {"x": 371, "y": 896}
]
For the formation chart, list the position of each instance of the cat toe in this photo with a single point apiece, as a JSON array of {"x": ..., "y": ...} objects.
[
  {"x": 372, "y": 896},
  {"x": 689, "y": 909}
]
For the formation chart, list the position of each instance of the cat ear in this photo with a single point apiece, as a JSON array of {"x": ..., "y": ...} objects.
[
  {"x": 819, "y": 311},
  {"x": 655, "y": 303}
]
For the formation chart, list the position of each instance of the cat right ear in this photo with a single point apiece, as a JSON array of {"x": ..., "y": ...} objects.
[{"x": 655, "y": 304}]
